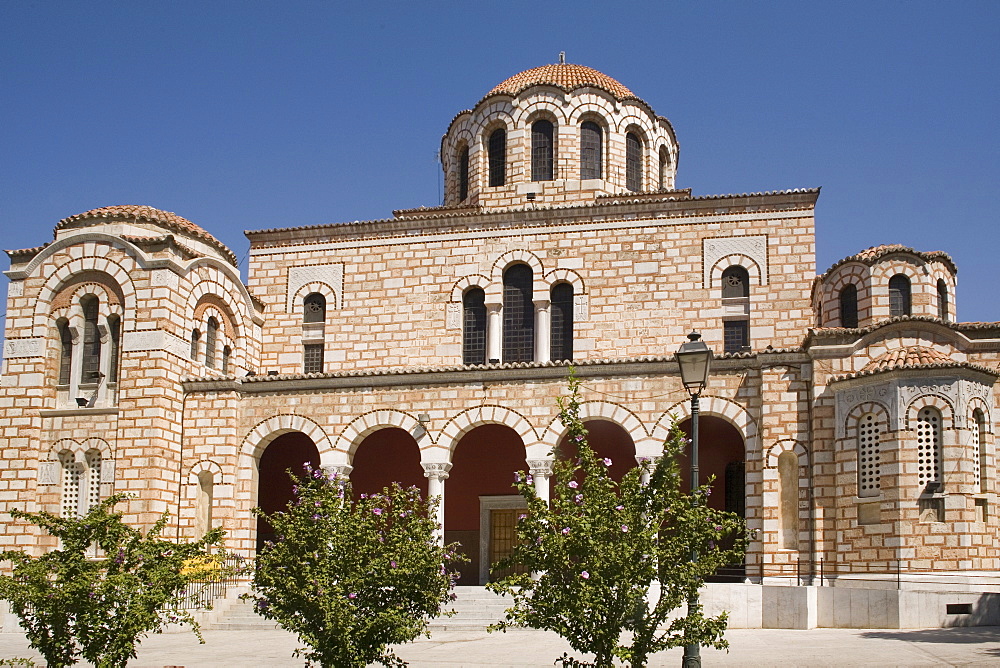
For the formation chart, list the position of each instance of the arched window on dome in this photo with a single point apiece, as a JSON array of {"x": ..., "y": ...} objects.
[
  {"x": 542, "y": 149},
  {"x": 195, "y": 344},
  {"x": 849, "y": 306},
  {"x": 942, "y": 292},
  {"x": 518, "y": 314},
  {"x": 497, "y": 152},
  {"x": 65, "y": 351},
  {"x": 633, "y": 162},
  {"x": 899, "y": 296},
  {"x": 91, "y": 368},
  {"x": 736, "y": 301},
  {"x": 591, "y": 150},
  {"x": 114, "y": 349},
  {"x": 227, "y": 356},
  {"x": 664, "y": 180},
  {"x": 474, "y": 326},
  {"x": 211, "y": 336},
  {"x": 561, "y": 339},
  {"x": 463, "y": 174}
]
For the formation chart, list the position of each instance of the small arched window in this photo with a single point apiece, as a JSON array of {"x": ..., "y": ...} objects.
[
  {"x": 497, "y": 150},
  {"x": 72, "y": 479},
  {"x": 227, "y": 354},
  {"x": 518, "y": 314},
  {"x": 735, "y": 282},
  {"x": 463, "y": 174},
  {"x": 979, "y": 449},
  {"x": 849, "y": 306},
  {"x": 788, "y": 479},
  {"x": 206, "y": 497},
  {"x": 211, "y": 336},
  {"x": 114, "y": 333},
  {"x": 561, "y": 341},
  {"x": 195, "y": 344},
  {"x": 929, "y": 450},
  {"x": 474, "y": 326},
  {"x": 899, "y": 296},
  {"x": 664, "y": 179},
  {"x": 942, "y": 291},
  {"x": 633, "y": 162},
  {"x": 869, "y": 455},
  {"x": 314, "y": 308},
  {"x": 736, "y": 297},
  {"x": 591, "y": 151},
  {"x": 65, "y": 352},
  {"x": 91, "y": 371},
  {"x": 542, "y": 149},
  {"x": 93, "y": 479}
]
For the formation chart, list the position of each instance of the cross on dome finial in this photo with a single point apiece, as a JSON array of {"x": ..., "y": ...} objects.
[{"x": 562, "y": 57}]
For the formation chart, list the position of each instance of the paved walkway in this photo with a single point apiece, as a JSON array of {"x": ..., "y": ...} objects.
[{"x": 979, "y": 646}]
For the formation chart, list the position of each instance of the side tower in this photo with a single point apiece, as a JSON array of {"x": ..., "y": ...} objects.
[
  {"x": 103, "y": 322},
  {"x": 556, "y": 134}
]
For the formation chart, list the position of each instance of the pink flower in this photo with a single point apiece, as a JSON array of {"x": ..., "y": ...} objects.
[
  {"x": 578, "y": 498},
  {"x": 624, "y": 528},
  {"x": 352, "y": 595},
  {"x": 377, "y": 511},
  {"x": 619, "y": 507},
  {"x": 392, "y": 564},
  {"x": 607, "y": 461},
  {"x": 585, "y": 575},
  {"x": 565, "y": 531},
  {"x": 573, "y": 484}
]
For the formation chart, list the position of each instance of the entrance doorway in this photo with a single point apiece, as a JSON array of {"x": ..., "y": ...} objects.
[{"x": 288, "y": 452}]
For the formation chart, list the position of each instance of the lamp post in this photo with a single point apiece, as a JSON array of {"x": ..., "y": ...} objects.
[{"x": 695, "y": 360}]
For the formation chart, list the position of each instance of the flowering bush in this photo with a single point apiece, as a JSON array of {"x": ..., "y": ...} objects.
[
  {"x": 71, "y": 604},
  {"x": 610, "y": 558},
  {"x": 352, "y": 576}
]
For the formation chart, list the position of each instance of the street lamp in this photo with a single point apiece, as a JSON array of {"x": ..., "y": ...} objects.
[{"x": 695, "y": 360}]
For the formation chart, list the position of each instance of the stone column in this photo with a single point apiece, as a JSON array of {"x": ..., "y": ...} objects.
[
  {"x": 541, "y": 471},
  {"x": 543, "y": 326},
  {"x": 436, "y": 473},
  {"x": 494, "y": 331},
  {"x": 647, "y": 464}
]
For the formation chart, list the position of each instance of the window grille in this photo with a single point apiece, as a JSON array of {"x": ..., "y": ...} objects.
[
  {"x": 314, "y": 308},
  {"x": 93, "y": 479},
  {"x": 869, "y": 455},
  {"x": 65, "y": 353},
  {"x": 91, "y": 367},
  {"x": 497, "y": 149},
  {"x": 736, "y": 336},
  {"x": 211, "y": 334},
  {"x": 518, "y": 315},
  {"x": 899, "y": 296},
  {"x": 463, "y": 174},
  {"x": 633, "y": 162},
  {"x": 71, "y": 477},
  {"x": 929, "y": 456},
  {"x": 474, "y": 327},
  {"x": 312, "y": 358},
  {"x": 942, "y": 290},
  {"x": 849, "y": 306},
  {"x": 561, "y": 340},
  {"x": 591, "y": 148},
  {"x": 541, "y": 151}
]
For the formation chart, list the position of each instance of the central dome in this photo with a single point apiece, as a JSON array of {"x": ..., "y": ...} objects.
[{"x": 562, "y": 75}]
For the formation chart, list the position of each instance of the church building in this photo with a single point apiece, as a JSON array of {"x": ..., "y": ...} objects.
[{"x": 849, "y": 416}]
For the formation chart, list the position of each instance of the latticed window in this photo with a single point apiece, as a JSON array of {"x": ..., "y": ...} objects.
[
  {"x": 72, "y": 476},
  {"x": 474, "y": 326},
  {"x": 195, "y": 344},
  {"x": 211, "y": 335},
  {"x": 591, "y": 150},
  {"x": 541, "y": 150},
  {"x": 518, "y": 315},
  {"x": 735, "y": 336},
  {"x": 93, "y": 480},
  {"x": 227, "y": 354},
  {"x": 312, "y": 358},
  {"x": 497, "y": 149},
  {"x": 664, "y": 168},
  {"x": 735, "y": 283},
  {"x": 979, "y": 449},
  {"x": 314, "y": 308},
  {"x": 929, "y": 455},
  {"x": 463, "y": 174},
  {"x": 633, "y": 162},
  {"x": 91, "y": 340},
  {"x": 849, "y": 306},
  {"x": 899, "y": 295},
  {"x": 869, "y": 455},
  {"x": 561, "y": 340},
  {"x": 114, "y": 333},
  {"x": 65, "y": 353},
  {"x": 942, "y": 290}
]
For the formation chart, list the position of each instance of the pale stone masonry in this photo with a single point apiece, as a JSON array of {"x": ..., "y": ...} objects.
[{"x": 848, "y": 416}]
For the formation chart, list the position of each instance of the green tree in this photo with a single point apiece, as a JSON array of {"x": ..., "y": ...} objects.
[
  {"x": 72, "y": 604},
  {"x": 613, "y": 557},
  {"x": 351, "y": 576}
]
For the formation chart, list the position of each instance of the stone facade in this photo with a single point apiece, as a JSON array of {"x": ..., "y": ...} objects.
[{"x": 848, "y": 416}]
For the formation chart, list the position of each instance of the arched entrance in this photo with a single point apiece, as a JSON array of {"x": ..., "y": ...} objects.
[
  {"x": 481, "y": 504},
  {"x": 609, "y": 441},
  {"x": 384, "y": 457},
  {"x": 288, "y": 452}
]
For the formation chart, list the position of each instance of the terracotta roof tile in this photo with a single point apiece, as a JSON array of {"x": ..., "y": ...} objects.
[
  {"x": 166, "y": 219},
  {"x": 872, "y": 255},
  {"x": 562, "y": 75},
  {"x": 913, "y": 357}
]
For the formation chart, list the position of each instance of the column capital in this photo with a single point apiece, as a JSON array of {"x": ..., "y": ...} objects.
[
  {"x": 540, "y": 467},
  {"x": 436, "y": 470},
  {"x": 647, "y": 462},
  {"x": 339, "y": 470},
  {"x": 541, "y": 304}
]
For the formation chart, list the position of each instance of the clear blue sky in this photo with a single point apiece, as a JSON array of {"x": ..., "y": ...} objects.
[{"x": 250, "y": 115}]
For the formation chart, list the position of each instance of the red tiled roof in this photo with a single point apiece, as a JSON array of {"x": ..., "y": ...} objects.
[
  {"x": 872, "y": 255},
  {"x": 565, "y": 76},
  {"x": 902, "y": 358},
  {"x": 167, "y": 219}
]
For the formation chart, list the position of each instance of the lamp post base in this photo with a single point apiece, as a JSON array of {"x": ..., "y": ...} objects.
[{"x": 692, "y": 656}]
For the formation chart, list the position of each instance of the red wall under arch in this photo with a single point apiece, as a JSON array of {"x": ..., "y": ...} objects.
[{"x": 384, "y": 457}]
